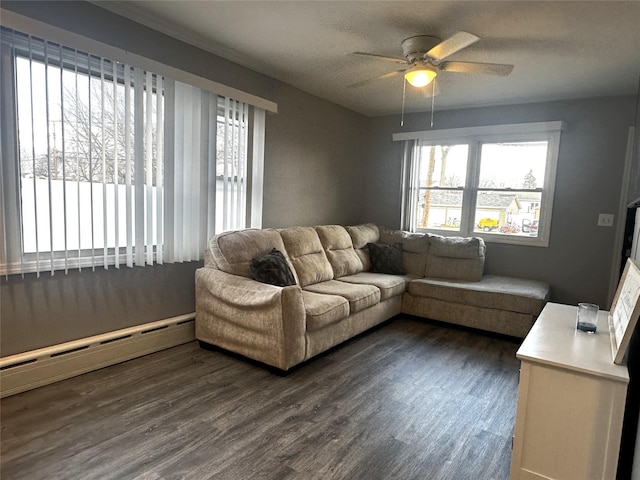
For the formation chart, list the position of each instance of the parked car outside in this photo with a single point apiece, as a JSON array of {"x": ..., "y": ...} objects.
[{"x": 488, "y": 224}]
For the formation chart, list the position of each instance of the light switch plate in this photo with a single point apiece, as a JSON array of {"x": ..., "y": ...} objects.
[{"x": 605, "y": 220}]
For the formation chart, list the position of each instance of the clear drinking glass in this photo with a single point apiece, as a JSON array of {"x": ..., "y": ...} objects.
[{"x": 587, "y": 317}]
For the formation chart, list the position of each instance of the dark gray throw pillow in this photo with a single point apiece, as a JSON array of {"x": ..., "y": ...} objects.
[
  {"x": 272, "y": 268},
  {"x": 386, "y": 258}
]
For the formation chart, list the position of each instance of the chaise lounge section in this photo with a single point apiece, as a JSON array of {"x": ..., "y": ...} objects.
[{"x": 345, "y": 280}]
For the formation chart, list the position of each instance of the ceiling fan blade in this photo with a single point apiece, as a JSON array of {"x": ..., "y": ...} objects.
[
  {"x": 451, "y": 45},
  {"x": 380, "y": 57},
  {"x": 379, "y": 77},
  {"x": 500, "y": 69}
]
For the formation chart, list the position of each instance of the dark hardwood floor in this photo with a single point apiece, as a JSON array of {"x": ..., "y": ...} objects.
[{"x": 409, "y": 400}]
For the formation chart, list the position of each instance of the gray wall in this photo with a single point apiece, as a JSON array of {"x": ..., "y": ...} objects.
[
  {"x": 578, "y": 261},
  {"x": 313, "y": 150},
  {"x": 38, "y": 312},
  {"x": 309, "y": 179}
]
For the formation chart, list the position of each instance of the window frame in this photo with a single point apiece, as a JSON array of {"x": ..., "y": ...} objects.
[
  {"x": 13, "y": 259},
  {"x": 475, "y": 137}
]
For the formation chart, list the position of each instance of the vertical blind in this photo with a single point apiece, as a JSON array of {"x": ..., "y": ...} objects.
[
  {"x": 110, "y": 164},
  {"x": 210, "y": 191},
  {"x": 409, "y": 187}
]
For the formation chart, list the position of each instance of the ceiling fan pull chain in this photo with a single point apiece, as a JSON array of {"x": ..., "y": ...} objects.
[
  {"x": 404, "y": 90},
  {"x": 433, "y": 99}
]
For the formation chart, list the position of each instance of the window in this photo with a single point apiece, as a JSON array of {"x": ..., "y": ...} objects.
[
  {"x": 80, "y": 162},
  {"x": 441, "y": 180},
  {"x": 106, "y": 163},
  {"x": 494, "y": 182}
]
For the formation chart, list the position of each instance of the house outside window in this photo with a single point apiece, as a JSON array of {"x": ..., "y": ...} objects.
[{"x": 495, "y": 182}]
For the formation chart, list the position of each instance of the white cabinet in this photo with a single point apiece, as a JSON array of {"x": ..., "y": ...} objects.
[{"x": 571, "y": 401}]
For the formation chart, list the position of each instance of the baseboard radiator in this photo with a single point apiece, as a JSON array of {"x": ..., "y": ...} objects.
[{"x": 25, "y": 371}]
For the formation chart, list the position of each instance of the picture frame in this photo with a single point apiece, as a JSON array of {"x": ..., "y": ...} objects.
[{"x": 625, "y": 311}]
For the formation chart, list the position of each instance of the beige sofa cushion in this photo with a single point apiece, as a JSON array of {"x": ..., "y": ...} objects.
[
  {"x": 358, "y": 296},
  {"x": 389, "y": 285},
  {"x": 339, "y": 249},
  {"x": 414, "y": 249},
  {"x": 495, "y": 292},
  {"x": 232, "y": 251},
  {"x": 306, "y": 255},
  {"x": 361, "y": 235},
  {"x": 456, "y": 258},
  {"x": 322, "y": 309},
  {"x": 457, "y": 247}
]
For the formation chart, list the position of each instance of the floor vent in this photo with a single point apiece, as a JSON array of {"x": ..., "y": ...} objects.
[{"x": 25, "y": 371}]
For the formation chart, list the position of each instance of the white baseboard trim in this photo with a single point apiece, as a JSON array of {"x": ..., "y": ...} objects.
[{"x": 28, "y": 370}]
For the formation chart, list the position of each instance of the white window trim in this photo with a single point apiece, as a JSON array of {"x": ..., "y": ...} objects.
[
  {"x": 464, "y": 132},
  {"x": 474, "y": 136}
]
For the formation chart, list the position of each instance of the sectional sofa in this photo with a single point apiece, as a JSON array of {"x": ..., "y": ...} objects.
[{"x": 333, "y": 282}]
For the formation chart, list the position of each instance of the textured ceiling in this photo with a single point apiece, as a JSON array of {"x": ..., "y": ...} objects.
[{"x": 560, "y": 49}]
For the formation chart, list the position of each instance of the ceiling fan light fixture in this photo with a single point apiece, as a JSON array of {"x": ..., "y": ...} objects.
[{"x": 420, "y": 76}]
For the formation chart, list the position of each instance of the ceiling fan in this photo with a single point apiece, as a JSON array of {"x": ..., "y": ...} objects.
[{"x": 425, "y": 56}]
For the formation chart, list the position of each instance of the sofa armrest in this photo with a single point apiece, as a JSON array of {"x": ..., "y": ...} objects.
[{"x": 257, "y": 320}]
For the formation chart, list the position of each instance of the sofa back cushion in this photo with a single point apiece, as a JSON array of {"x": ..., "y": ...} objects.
[
  {"x": 414, "y": 247},
  {"x": 232, "y": 252},
  {"x": 361, "y": 235},
  {"x": 456, "y": 258},
  {"x": 307, "y": 255},
  {"x": 339, "y": 250}
]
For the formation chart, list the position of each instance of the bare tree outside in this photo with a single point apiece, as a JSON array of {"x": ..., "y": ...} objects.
[
  {"x": 86, "y": 138},
  {"x": 487, "y": 183},
  {"x": 226, "y": 134},
  {"x": 444, "y": 181},
  {"x": 530, "y": 180}
]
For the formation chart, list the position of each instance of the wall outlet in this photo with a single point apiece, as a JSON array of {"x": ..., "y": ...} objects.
[{"x": 605, "y": 220}]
